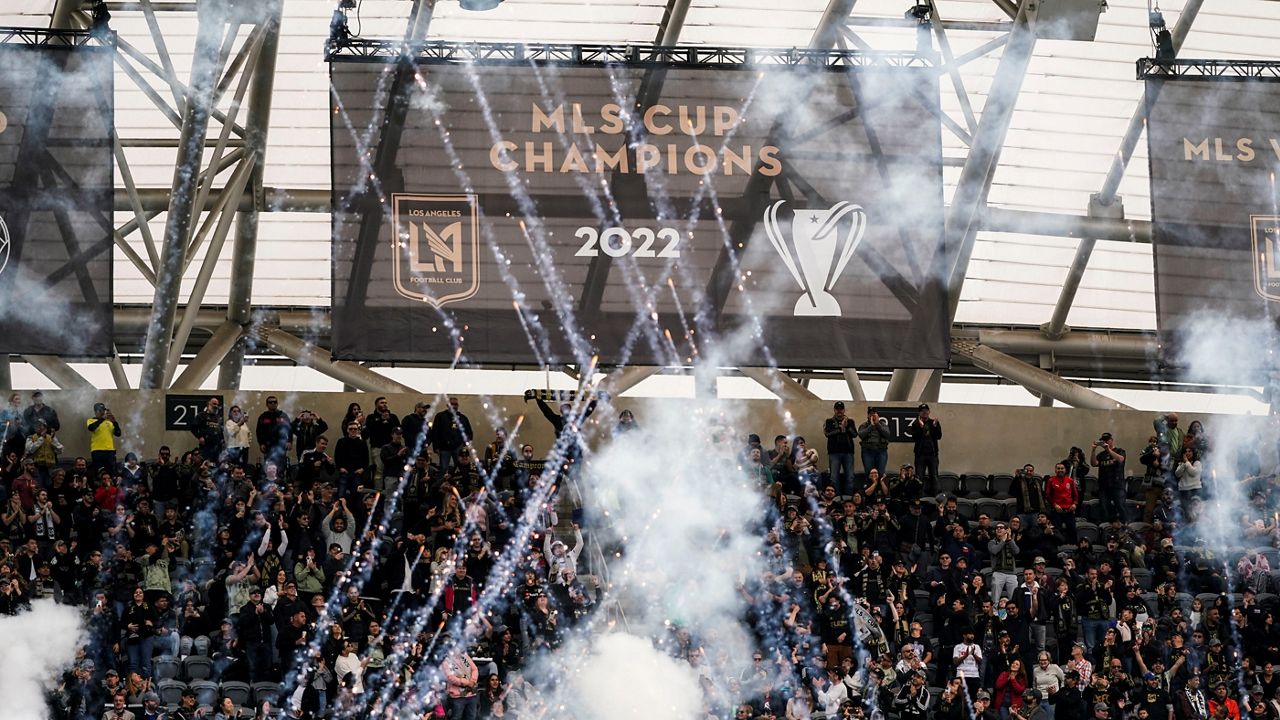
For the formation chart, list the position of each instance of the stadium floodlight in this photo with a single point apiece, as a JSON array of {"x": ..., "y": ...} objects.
[{"x": 479, "y": 5}]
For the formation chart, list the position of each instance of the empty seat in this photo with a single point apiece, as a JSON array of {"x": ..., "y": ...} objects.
[
  {"x": 267, "y": 692},
  {"x": 974, "y": 485},
  {"x": 170, "y": 691},
  {"x": 993, "y": 508},
  {"x": 198, "y": 667},
  {"x": 1091, "y": 510},
  {"x": 967, "y": 508},
  {"x": 206, "y": 691},
  {"x": 165, "y": 667},
  {"x": 1000, "y": 486},
  {"x": 1087, "y": 530},
  {"x": 237, "y": 691},
  {"x": 1152, "y": 602},
  {"x": 949, "y": 483},
  {"x": 1144, "y": 577},
  {"x": 1140, "y": 528}
]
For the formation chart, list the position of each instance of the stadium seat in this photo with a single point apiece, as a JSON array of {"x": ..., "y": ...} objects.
[
  {"x": 170, "y": 691},
  {"x": 1087, "y": 530},
  {"x": 967, "y": 508},
  {"x": 198, "y": 667},
  {"x": 267, "y": 691},
  {"x": 201, "y": 645},
  {"x": 974, "y": 485},
  {"x": 1091, "y": 510},
  {"x": 206, "y": 691},
  {"x": 1140, "y": 527},
  {"x": 1000, "y": 486},
  {"x": 949, "y": 483},
  {"x": 237, "y": 691},
  {"x": 1089, "y": 488},
  {"x": 1207, "y": 599},
  {"x": 1152, "y": 602},
  {"x": 165, "y": 667},
  {"x": 1144, "y": 578},
  {"x": 994, "y": 508}
]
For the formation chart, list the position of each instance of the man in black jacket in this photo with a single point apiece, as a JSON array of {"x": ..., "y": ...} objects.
[
  {"x": 840, "y": 431},
  {"x": 253, "y": 630},
  {"x": 927, "y": 432},
  {"x": 273, "y": 433},
  {"x": 450, "y": 432}
]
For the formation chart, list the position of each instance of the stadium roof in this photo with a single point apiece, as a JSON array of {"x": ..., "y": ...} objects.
[{"x": 1075, "y": 104}]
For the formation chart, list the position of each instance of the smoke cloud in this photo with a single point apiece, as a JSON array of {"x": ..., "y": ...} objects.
[{"x": 36, "y": 645}]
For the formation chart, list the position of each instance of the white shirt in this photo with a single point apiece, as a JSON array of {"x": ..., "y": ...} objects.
[
  {"x": 350, "y": 663},
  {"x": 969, "y": 667}
]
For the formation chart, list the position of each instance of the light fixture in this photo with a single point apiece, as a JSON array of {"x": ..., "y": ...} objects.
[
  {"x": 99, "y": 27},
  {"x": 1160, "y": 35},
  {"x": 479, "y": 5}
]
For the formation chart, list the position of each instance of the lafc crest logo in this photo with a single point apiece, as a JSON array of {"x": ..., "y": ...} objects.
[
  {"x": 436, "y": 247},
  {"x": 1266, "y": 255}
]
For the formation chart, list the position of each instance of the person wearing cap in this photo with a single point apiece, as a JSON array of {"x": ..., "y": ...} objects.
[
  {"x": 103, "y": 430},
  {"x": 43, "y": 447},
  {"x": 912, "y": 701},
  {"x": 1069, "y": 702},
  {"x": 1109, "y": 460},
  {"x": 982, "y": 709},
  {"x": 1032, "y": 705},
  {"x": 151, "y": 708},
  {"x": 875, "y": 436},
  {"x": 1152, "y": 697},
  {"x": 1222, "y": 704},
  {"x": 37, "y": 411},
  {"x": 927, "y": 432},
  {"x": 1101, "y": 711},
  {"x": 1003, "y": 551},
  {"x": 1032, "y": 601},
  {"x": 394, "y": 459},
  {"x": 1063, "y": 497},
  {"x": 840, "y": 431},
  {"x": 1190, "y": 703}
]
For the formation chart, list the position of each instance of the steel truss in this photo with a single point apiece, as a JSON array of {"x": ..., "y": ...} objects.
[
  {"x": 234, "y": 82},
  {"x": 441, "y": 52}
]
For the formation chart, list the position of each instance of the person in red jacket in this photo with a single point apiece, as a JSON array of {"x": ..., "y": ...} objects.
[{"x": 1063, "y": 496}]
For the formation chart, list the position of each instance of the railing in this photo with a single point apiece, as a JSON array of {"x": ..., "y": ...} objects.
[
  {"x": 1203, "y": 69},
  {"x": 46, "y": 37}
]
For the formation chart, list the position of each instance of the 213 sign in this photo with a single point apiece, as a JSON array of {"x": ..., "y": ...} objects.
[
  {"x": 180, "y": 411},
  {"x": 900, "y": 419}
]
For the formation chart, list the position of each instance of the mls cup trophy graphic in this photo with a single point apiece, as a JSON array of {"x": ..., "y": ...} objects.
[{"x": 816, "y": 257}]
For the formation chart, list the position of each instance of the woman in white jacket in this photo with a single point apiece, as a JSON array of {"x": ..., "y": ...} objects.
[{"x": 1188, "y": 473}]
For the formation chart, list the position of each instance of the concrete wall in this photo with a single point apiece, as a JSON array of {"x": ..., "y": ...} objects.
[{"x": 975, "y": 437}]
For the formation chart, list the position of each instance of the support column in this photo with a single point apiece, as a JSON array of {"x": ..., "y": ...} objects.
[
  {"x": 1103, "y": 201},
  {"x": 352, "y": 374},
  {"x": 620, "y": 381},
  {"x": 779, "y": 383},
  {"x": 214, "y": 350},
  {"x": 58, "y": 372},
  {"x": 855, "y": 385},
  {"x": 244, "y": 250},
  {"x": 1036, "y": 380},
  {"x": 182, "y": 208}
]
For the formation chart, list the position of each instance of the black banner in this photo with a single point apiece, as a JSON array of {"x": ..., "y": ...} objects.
[
  {"x": 1214, "y": 147},
  {"x": 56, "y": 176},
  {"x": 538, "y": 213}
]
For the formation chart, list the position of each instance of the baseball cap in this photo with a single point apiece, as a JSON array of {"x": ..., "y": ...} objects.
[
  {"x": 1039, "y": 560},
  {"x": 922, "y": 406},
  {"x": 1148, "y": 675},
  {"x": 838, "y": 405},
  {"x": 1101, "y": 707},
  {"x": 1256, "y": 689},
  {"x": 99, "y": 406},
  {"x": 983, "y": 695},
  {"x": 1166, "y": 542},
  {"x": 1031, "y": 694},
  {"x": 1104, "y": 437}
]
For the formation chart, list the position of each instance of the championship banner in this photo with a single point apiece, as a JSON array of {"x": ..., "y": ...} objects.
[
  {"x": 1214, "y": 145},
  {"x": 532, "y": 212},
  {"x": 56, "y": 176}
]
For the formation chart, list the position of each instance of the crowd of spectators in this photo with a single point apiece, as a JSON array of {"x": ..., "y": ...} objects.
[{"x": 270, "y": 568}]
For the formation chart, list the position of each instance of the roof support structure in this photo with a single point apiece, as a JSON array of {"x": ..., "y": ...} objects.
[
  {"x": 349, "y": 373},
  {"x": 183, "y": 211},
  {"x": 226, "y": 337},
  {"x": 779, "y": 383},
  {"x": 244, "y": 250},
  {"x": 623, "y": 379},
  {"x": 1101, "y": 203},
  {"x": 1034, "y": 379},
  {"x": 58, "y": 372},
  {"x": 855, "y": 385},
  {"x": 964, "y": 216}
]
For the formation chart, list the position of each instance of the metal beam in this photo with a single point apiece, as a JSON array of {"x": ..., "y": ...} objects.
[
  {"x": 969, "y": 199},
  {"x": 1110, "y": 186},
  {"x": 1027, "y": 222},
  {"x": 1034, "y": 379},
  {"x": 244, "y": 254},
  {"x": 58, "y": 372},
  {"x": 779, "y": 383},
  {"x": 353, "y": 374},
  {"x": 1075, "y": 343},
  {"x": 855, "y": 384},
  {"x": 622, "y": 380},
  {"x": 182, "y": 209},
  {"x": 226, "y": 337},
  {"x": 672, "y": 23},
  {"x": 117, "y": 370}
]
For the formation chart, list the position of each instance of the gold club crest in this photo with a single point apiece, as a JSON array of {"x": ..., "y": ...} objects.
[
  {"x": 1266, "y": 255},
  {"x": 436, "y": 247}
]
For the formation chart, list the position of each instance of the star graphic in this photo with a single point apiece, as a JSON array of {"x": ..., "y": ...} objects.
[{"x": 813, "y": 219}]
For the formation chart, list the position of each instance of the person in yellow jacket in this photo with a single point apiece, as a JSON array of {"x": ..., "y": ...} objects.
[{"x": 103, "y": 431}]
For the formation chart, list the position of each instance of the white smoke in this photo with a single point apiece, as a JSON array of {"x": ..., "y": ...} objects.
[
  {"x": 626, "y": 678},
  {"x": 37, "y": 644}
]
